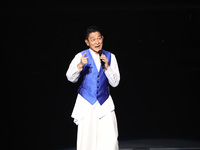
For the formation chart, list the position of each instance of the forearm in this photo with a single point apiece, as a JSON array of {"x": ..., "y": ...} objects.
[
  {"x": 74, "y": 70},
  {"x": 73, "y": 75},
  {"x": 113, "y": 77}
]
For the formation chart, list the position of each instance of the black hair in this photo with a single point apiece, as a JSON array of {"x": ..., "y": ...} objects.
[{"x": 90, "y": 30}]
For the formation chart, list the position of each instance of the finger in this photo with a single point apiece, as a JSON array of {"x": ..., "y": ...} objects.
[
  {"x": 103, "y": 57},
  {"x": 87, "y": 58},
  {"x": 84, "y": 55},
  {"x": 104, "y": 60}
]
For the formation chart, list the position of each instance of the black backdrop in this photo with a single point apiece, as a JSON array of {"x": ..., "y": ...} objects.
[{"x": 157, "y": 48}]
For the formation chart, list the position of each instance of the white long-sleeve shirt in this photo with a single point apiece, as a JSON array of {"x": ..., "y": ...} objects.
[{"x": 82, "y": 106}]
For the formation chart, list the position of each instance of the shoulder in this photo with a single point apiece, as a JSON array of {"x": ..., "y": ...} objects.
[
  {"x": 78, "y": 55},
  {"x": 108, "y": 52},
  {"x": 84, "y": 51},
  {"x": 105, "y": 51}
]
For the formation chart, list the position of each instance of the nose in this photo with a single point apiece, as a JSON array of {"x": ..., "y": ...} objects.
[{"x": 97, "y": 42}]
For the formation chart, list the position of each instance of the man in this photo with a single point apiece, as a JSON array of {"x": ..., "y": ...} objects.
[{"x": 94, "y": 108}]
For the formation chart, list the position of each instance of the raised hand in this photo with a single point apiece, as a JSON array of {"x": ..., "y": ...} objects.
[{"x": 84, "y": 60}]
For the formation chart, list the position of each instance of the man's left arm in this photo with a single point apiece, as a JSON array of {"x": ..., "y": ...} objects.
[{"x": 112, "y": 72}]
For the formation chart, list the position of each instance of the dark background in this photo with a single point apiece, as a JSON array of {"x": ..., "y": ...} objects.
[{"x": 157, "y": 48}]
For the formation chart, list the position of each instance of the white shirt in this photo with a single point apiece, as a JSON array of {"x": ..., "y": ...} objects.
[{"x": 82, "y": 106}]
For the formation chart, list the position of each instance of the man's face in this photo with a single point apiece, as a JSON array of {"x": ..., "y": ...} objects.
[{"x": 95, "y": 41}]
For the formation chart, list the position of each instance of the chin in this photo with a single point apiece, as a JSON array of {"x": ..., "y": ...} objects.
[{"x": 97, "y": 50}]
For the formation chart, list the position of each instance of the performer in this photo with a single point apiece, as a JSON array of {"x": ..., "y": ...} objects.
[{"x": 93, "y": 112}]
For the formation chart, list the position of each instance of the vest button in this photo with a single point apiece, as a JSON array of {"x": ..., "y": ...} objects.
[
  {"x": 97, "y": 81},
  {"x": 97, "y": 92},
  {"x": 98, "y": 76},
  {"x": 97, "y": 86}
]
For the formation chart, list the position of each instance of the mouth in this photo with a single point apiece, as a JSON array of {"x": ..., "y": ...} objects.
[{"x": 98, "y": 46}]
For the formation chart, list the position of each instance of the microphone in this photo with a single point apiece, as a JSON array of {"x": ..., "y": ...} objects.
[{"x": 102, "y": 63}]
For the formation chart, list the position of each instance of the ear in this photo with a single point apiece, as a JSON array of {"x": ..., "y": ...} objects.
[{"x": 86, "y": 42}]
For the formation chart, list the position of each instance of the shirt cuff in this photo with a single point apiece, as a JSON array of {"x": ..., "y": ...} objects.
[{"x": 77, "y": 71}]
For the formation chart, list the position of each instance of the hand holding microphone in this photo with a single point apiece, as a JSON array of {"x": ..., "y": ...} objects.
[{"x": 104, "y": 60}]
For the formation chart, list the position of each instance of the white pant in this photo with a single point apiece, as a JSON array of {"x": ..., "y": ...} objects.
[{"x": 98, "y": 134}]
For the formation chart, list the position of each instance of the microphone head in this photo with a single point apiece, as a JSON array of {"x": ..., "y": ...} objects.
[{"x": 100, "y": 52}]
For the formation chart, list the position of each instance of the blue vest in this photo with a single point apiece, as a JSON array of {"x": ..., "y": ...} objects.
[{"x": 94, "y": 85}]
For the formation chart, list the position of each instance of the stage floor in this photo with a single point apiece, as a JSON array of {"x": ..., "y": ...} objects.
[{"x": 156, "y": 144}]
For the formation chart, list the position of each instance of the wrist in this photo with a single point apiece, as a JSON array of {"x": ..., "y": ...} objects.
[
  {"x": 80, "y": 66},
  {"x": 106, "y": 67}
]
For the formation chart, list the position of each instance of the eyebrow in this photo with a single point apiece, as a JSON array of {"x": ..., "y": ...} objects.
[{"x": 94, "y": 37}]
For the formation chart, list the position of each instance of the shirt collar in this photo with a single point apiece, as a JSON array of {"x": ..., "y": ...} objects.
[{"x": 95, "y": 56}]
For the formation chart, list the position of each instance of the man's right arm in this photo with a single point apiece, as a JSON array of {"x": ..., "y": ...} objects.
[{"x": 73, "y": 73}]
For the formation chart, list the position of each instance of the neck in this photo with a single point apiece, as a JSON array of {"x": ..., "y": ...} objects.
[{"x": 94, "y": 51}]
